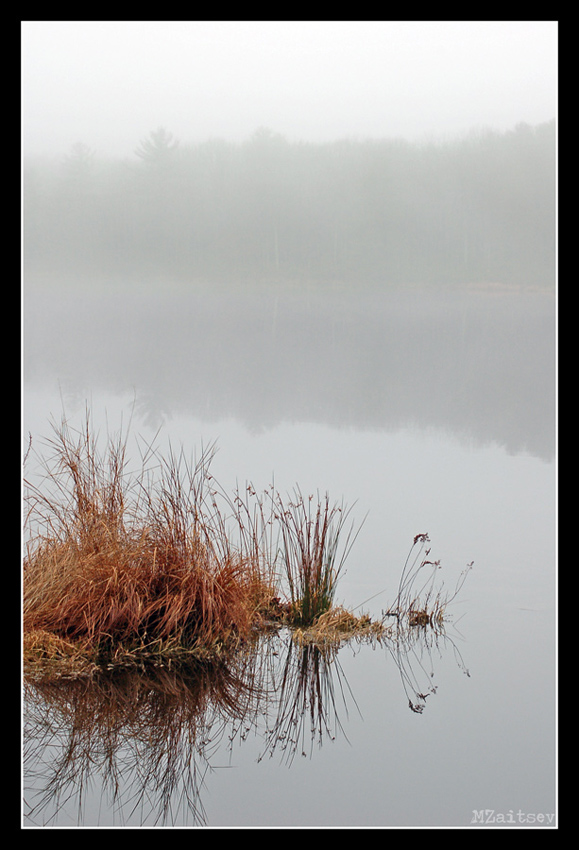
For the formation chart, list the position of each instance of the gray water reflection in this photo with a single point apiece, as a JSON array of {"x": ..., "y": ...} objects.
[
  {"x": 141, "y": 747},
  {"x": 478, "y": 364}
]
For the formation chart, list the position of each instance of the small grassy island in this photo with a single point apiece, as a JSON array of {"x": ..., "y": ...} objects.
[{"x": 163, "y": 566}]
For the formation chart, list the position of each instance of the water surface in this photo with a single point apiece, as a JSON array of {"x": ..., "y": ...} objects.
[{"x": 431, "y": 414}]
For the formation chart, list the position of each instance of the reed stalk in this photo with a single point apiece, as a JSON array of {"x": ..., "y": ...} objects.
[
  {"x": 421, "y": 599},
  {"x": 312, "y": 551}
]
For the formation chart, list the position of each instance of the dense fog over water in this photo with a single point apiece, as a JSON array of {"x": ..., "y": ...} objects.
[{"x": 369, "y": 283}]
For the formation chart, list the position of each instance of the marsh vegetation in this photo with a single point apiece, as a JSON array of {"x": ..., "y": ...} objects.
[{"x": 162, "y": 565}]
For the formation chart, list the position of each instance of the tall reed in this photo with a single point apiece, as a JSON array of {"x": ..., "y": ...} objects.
[
  {"x": 421, "y": 600},
  {"x": 313, "y": 551}
]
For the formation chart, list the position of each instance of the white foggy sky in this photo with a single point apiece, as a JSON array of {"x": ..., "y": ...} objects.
[{"x": 109, "y": 83}]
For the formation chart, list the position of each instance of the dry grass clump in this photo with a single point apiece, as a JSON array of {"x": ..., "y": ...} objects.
[
  {"x": 48, "y": 655},
  {"x": 123, "y": 561},
  {"x": 121, "y": 589},
  {"x": 337, "y": 625}
]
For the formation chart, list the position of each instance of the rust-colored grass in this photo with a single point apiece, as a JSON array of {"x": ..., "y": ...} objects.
[
  {"x": 120, "y": 566},
  {"x": 118, "y": 560}
]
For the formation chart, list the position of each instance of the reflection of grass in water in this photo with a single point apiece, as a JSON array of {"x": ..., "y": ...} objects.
[
  {"x": 146, "y": 736},
  {"x": 150, "y": 736},
  {"x": 148, "y": 733},
  {"x": 306, "y": 701}
]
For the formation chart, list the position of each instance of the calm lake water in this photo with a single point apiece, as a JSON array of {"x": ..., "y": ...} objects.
[{"x": 429, "y": 413}]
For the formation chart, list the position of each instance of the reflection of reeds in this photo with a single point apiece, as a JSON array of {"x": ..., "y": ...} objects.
[
  {"x": 148, "y": 736},
  {"x": 145, "y": 734},
  {"x": 413, "y": 651},
  {"x": 148, "y": 733},
  {"x": 305, "y": 697}
]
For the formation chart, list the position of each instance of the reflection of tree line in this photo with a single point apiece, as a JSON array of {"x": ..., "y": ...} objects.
[
  {"x": 476, "y": 364},
  {"x": 152, "y": 733}
]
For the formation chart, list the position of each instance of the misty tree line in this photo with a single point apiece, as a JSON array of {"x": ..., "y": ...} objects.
[{"x": 476, "y": 209}]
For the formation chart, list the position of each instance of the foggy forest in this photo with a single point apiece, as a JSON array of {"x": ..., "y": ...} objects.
[{"x": 475, "y": 209}]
